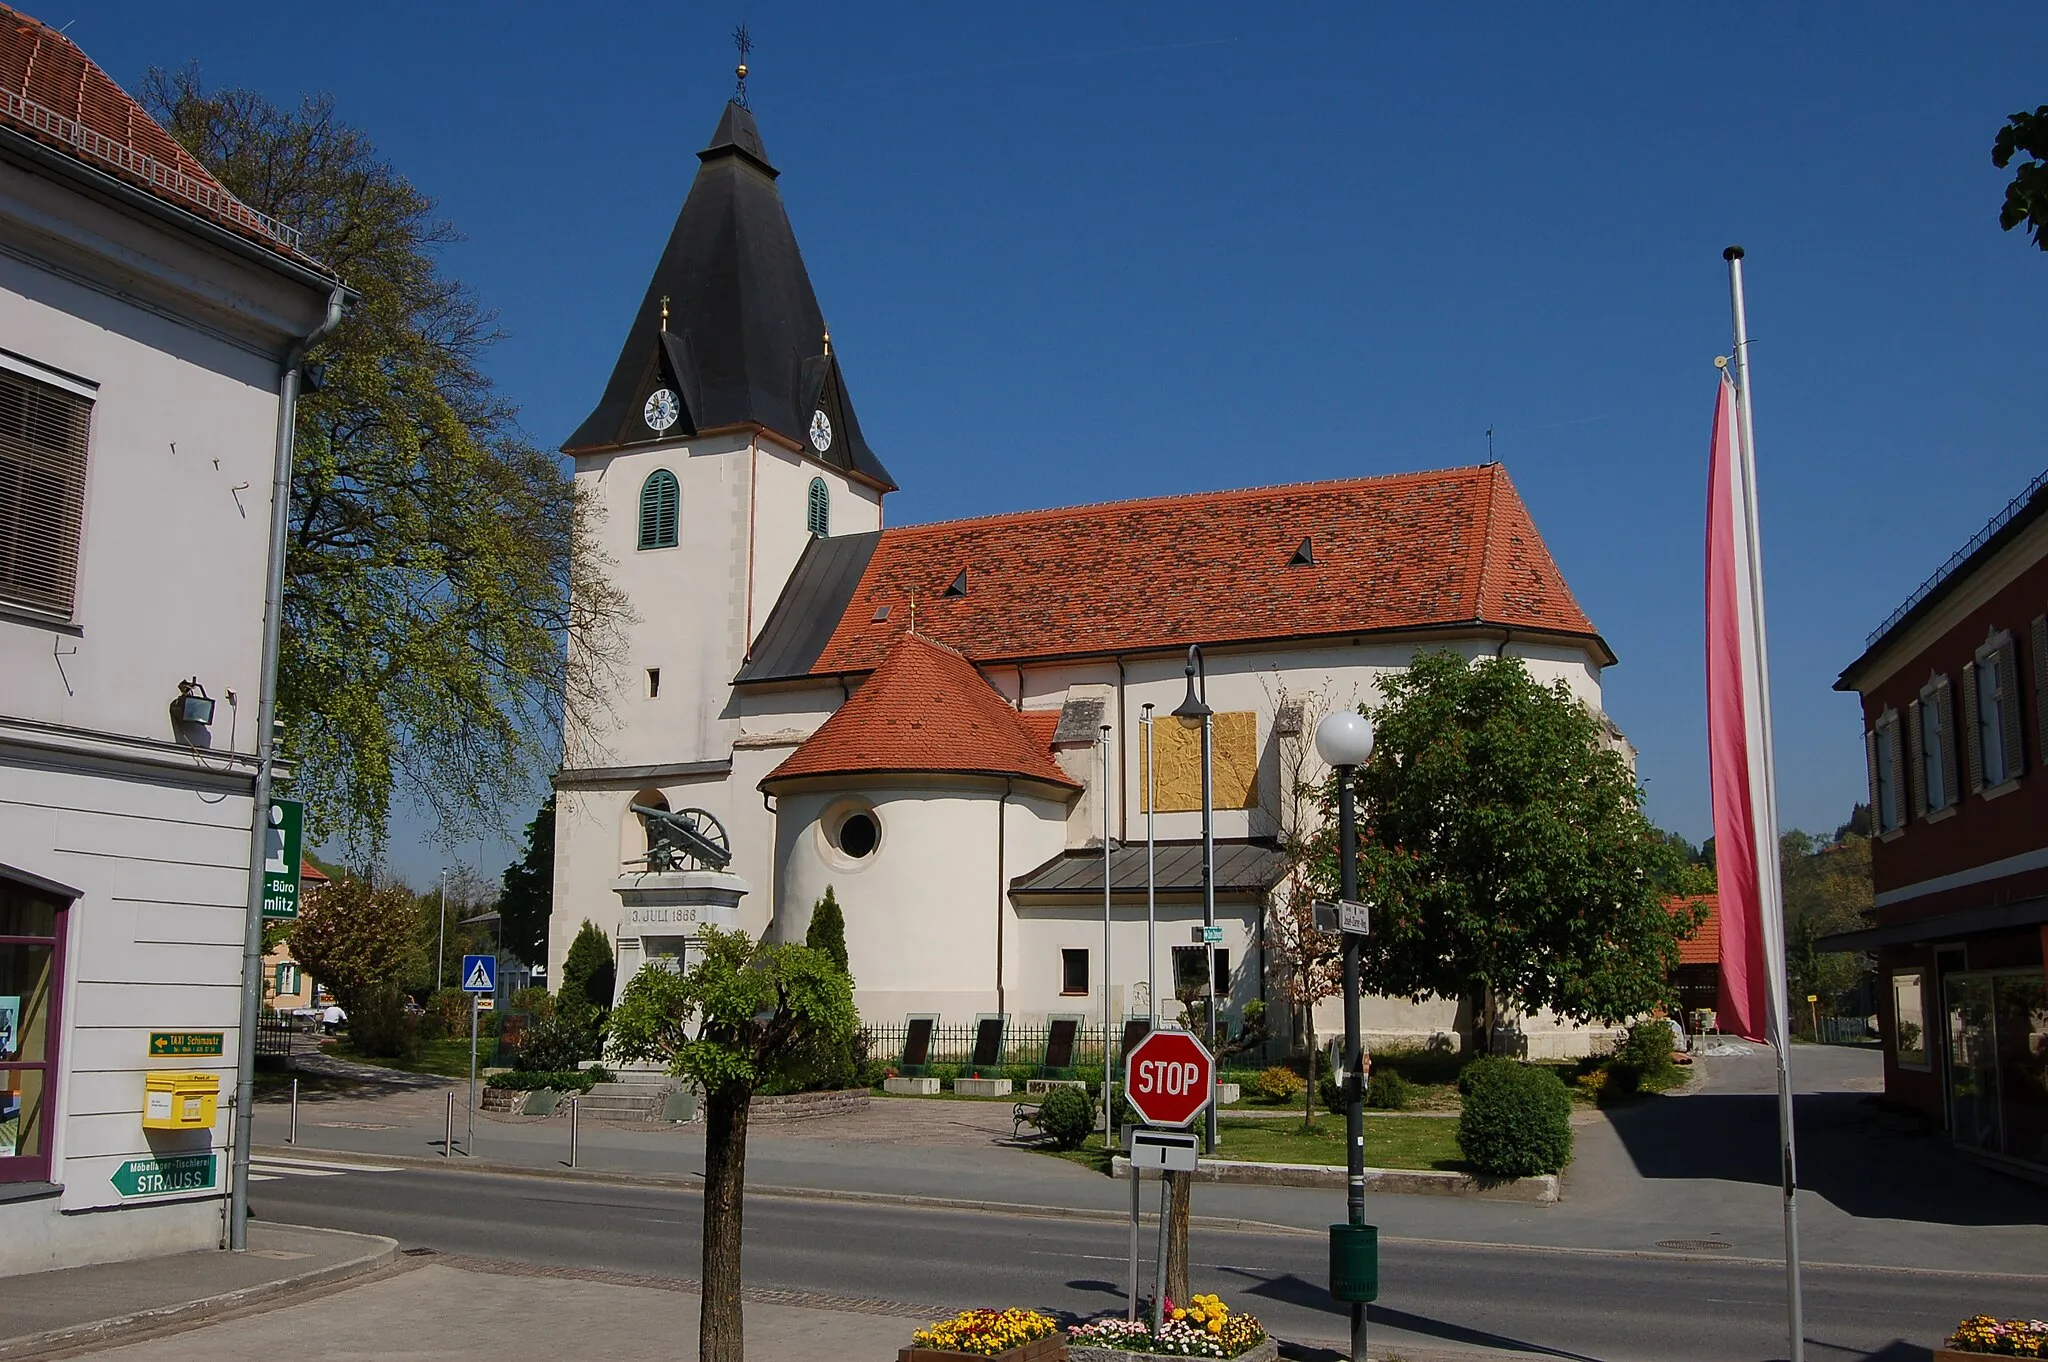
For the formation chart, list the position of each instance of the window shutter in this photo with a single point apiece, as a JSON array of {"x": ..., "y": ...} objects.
[
  {"x": 1971, "y": 737},
  {"x": 2009, "y": 709},
  {"x": 1916, "y": 762},
  {"x": 2040, "y": 632},
  {"x": 43, "y": 433},
  {"x": 1945, "y": 717},
  {"x": 660, "y": 510},
  {"x": 1899, "y": 773},
  {"x": 1870, "y": 763},
  {"x": 818, "y": 514}
]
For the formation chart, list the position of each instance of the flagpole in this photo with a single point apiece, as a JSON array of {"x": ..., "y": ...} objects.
[{"x": 1770, "y": 888}]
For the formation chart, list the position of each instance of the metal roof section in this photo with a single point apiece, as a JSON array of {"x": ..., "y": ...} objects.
[
  {"x": 808, "y": 610},
  {"x": 1243, "y": 866},
  {"x": 731, "y": 319},
  {"x": 1080, "y": 721}
]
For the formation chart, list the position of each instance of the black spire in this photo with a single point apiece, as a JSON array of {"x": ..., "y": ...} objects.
[{"x": 730, "y": 323}]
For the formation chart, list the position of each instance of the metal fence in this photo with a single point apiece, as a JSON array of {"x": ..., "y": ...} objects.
[
  {"x": 278, "y": 1037},
  {"x": 1846, "y": 1031},
  {"x": 1050, "y": 1049}
]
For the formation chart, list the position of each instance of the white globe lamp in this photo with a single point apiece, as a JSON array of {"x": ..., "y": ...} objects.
[{"x": 1344, "y": 738}]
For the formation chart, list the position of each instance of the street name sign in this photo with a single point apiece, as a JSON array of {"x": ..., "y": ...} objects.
[
  {"x": 1212, "y": 936},
  {"x": 161, "y": 1177},
  {"x": 1347, "y": 915},
  {"x": 479, "y": 974},
  {"x": 1168, "y": 1078},
  {"x": 282, "y": 844},
  {"x": 185, "y": 1042},
  {"x": 1168, "y": 1150}
]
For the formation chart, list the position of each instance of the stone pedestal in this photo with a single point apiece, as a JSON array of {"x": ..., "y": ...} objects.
[
  {"x": 982, "y": 1087},
  {"x": 663, "y": 911},
  {"x": 911, "y": 1087},
  {"x": 1226, "y": 1093}
]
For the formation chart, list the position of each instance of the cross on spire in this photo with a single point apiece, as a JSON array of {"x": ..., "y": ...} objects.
[{"x": 743, "y": 43}]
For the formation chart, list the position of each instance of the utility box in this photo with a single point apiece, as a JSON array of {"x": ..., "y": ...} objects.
[{"x": 180, "y": 1101}]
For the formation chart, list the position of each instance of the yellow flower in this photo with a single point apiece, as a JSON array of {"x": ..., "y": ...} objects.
[
  {"x": 1180, "y": 1313},
  {"x": 1215, "y": 1326}
]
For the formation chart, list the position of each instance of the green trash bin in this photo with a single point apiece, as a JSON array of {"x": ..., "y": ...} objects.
[{"x": 1355, "y": 1262}]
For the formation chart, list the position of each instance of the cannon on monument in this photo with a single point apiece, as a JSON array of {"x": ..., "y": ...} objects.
[{"x": 685, "y": 836}]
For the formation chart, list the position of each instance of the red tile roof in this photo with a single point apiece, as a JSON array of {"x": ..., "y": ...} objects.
[
  {"x": 1412, "y": 551},
  {"x": 1704, "y": 946},
  {"x": 54, "y": 93},
  {"x": 926, "y": 708}
]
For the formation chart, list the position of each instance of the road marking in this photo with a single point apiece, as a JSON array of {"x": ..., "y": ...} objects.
[{"x": 272, "y": 1166}]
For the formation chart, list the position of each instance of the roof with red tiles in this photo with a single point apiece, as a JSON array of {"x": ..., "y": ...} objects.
[
  {"x": 1704, "y": 946},
  {"x": 1411, "y": 552},
  {"x": 53, "y": 93},
  {"x": 926, "y": 709}
]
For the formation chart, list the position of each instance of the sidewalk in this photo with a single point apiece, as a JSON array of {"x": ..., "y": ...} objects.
[
  {"x": 82, "y": 1306},
  {"x": 1685, "y": 1170}
]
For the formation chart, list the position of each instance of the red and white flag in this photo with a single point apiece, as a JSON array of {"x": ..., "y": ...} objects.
[{"x": 1752, "y": 936}]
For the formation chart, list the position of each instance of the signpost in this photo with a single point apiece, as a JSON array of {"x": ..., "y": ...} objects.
[
  {"x": 185, "y": 1043},
  {"x": 479, "y": 979},
  {"x": 281, "y": 859},
  {"x": 164, "y": 1176},
  {"x": 1169, "y": 1079},
  {"x": 1345, "y": 915}
]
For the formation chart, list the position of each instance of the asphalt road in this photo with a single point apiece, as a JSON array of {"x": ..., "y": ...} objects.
[{"x": 1578, "y": 1305}]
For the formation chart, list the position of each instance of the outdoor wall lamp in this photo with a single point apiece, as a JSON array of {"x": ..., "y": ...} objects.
[{"x": 193, "y": 705}]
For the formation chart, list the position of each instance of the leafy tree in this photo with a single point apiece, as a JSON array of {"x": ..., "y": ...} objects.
[
  {"x": 2025, "y": 137},
  {"x": 1691, "y": 869},
  {"x": 827, "y": 931},
  {"x": 735, "y": 1019},
  {"x": 1308, "y": 963},
  {"x": 1504, "y": 846},
  {"x": 362, "y": 943},
  {"x": 1827, "y": 890},
  {"x": 589, "y": 975},
  {"x": 426, "y": 606},
  {"x": 529, "y": 894}
]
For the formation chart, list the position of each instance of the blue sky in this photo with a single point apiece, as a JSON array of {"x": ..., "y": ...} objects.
[{"x": 1075, "y": 252}]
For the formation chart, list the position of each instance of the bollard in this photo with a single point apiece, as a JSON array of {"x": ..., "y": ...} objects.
[
  {"x": 448, "y": 1129},
  {"x": 575, "y": 1108},
  {"x": 292, "y": 1133}
]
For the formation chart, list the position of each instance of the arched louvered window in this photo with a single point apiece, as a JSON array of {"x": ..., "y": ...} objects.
[
  {"x": 660, "y": 509},
  {"x": 819, "y": 517}
]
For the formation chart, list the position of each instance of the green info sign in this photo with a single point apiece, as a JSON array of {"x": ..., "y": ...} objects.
[
  {"x": 283, "y": 843},
  {"x": 165, "y": 1176}
]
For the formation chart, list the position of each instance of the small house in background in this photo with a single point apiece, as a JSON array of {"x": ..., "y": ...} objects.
[
  {"x": 286, "y": 987},
  {"x": 1955, "y": 715},
  {"x": 1697, "y": 980}
]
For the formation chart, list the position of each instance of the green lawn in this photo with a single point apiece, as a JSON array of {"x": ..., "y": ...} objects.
[
  {"x": 448, "y": 1058},
  {"x": 1390, "y": 1142}
]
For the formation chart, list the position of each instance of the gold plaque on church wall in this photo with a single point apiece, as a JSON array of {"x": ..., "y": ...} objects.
[{"x": 1178, "y": 749}]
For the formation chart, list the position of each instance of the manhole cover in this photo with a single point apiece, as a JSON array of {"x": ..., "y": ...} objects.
[
  {"x": 1692, "y": 1245},
  {"x": 352, "y": 1125}
]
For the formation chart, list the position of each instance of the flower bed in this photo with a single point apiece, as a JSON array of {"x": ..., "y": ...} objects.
[
  {"x": 1014, "y": 1335},
  {"x": 1205, "y": 1327},
  {"x": 1980, "y": 1335}
]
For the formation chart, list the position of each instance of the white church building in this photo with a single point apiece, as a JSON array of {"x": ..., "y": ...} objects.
[{"x": 914, "y": 716}]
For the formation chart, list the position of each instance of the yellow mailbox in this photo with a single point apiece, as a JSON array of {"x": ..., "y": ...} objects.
[{"x": 180, "y": 1101}]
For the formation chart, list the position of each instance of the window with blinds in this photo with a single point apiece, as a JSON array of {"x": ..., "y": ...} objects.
[
  {"x": 660, "y": 510},
  {"x": 43, "y": 432},
  {"x": 818, "y": 514}
]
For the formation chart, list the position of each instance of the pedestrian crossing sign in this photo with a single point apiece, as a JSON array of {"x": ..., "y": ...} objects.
[{"x": 479, "y": 974}]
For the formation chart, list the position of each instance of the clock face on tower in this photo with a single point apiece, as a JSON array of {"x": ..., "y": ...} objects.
[
  {"x": 821, "y": 431},
  {"x": 661, "y": 410}
]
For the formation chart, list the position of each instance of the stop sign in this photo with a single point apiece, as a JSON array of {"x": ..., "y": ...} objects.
[{"x": 1167, "y": 1078}]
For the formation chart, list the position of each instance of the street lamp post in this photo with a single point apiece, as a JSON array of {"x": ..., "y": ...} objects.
[
  {"x": 1344, "y": 740},
  {"x": 1151, "y": 892},
  {"x": 1108, "y": 1071},
  {"x": 441, "y": 937},
  {"x": 1195, "y": 709}
]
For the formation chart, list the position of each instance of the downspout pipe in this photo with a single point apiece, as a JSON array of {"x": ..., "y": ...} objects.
[
  {"x": 1002, "y": 886},
  {"x": 266, "y": 757}
]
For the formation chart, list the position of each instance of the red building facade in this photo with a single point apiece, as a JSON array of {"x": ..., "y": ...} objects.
[{"x": 1955, "y": 715}]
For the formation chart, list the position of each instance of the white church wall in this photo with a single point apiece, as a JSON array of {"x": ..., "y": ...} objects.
[
  {"x": 781, "y": 491},
  {"x": 1045, "y": 931}
]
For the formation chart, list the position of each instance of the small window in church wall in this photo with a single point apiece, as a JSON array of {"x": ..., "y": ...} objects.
[
  {"x": 819, "y": 515},
  {"x": 1073, "y": 973},
  {"x": 660, "y": 510}
]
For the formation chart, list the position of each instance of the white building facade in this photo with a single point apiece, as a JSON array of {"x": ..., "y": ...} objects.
[
  {"x": 938, "y": 722},
  {"x": 144, "y": 320}
]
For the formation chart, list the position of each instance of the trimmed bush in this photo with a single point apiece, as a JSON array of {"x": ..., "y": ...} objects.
[
  {"x": 1647, "y": 1048},
  {"x": 1329, "y": 1091},
  {"x": 1517, "y": 1120},
  {"x": 1278, "y": 1083},
  {"x": 553, "y": 1045},
  {"x": 557, "y": 1080},
  {"x": 1066, "y": 1116},
  {"x": 1388, "y": 1091},
  {"x": 1478, "y": 1069}
]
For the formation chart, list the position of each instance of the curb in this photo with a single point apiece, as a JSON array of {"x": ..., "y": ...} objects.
[
  {"x": 1535, "y": 1191},
  {"x": 377, "y": 1252}
]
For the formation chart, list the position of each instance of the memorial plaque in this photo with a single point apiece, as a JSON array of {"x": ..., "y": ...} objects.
[
  {"x": 917, "y": 1042},
  {"x": 1059, "y": 1043},
  {"x": 988, "y": 1041}
]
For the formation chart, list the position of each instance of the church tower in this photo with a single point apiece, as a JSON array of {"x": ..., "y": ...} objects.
[{"x": 723, "y": 444}]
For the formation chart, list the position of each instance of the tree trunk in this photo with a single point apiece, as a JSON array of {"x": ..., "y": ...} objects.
[
  {"x": 1308, "y": 1097},
  {"x": 719, "y": 1320},
  {"x": 1177, "y": 1238}
]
